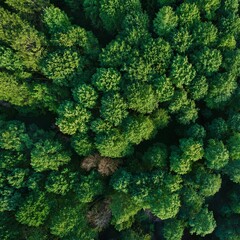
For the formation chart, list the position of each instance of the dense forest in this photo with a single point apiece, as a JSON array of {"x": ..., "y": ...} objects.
[{"x": 119, "y": 119}]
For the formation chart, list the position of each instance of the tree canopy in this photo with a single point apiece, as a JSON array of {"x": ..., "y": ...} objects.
[{"x": 119, "y": 119}]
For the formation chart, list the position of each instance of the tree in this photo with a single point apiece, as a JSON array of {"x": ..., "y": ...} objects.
[
  {"x": 216, "y": 154},
  {"x": 209, "y": 7},
  {"x": 181, "y": 40},
  {"x": 232, "y": 170},
  {"x": 233, "y": 146},
  {"x": 198, "y": 87},
  {"x": 123, "y": 211},
  {"x": 182, "y": 72},
  {"x": 34, "y": 210},
  {"x": 12, "y": 62},
  {"x": 60, "y": 182},
  {"x": 227, "y": 229},
  {"x": 188, "y": 14},
  {"x": 196, "y": 131},
  {"x": 27, "y": 6},
  {"x": 17, "y": 178},
  {"x": 48, "y": 155},
  {"x": 14, "y": 137},
  {"x": 156, "y": 156},
  {"x": 141, "y": 98},
  {"x": 10, "y": 199},
  {"x": 171, "y": 224},
  {"x": 82, "y": 144},
  {"x": 55, "y": 20},
  {"x": 205, "y": 34},
  {"x": 166, "y": 21},
  {"x": 120, "y": 49},
  {"x": 113, "y": 108},
  {"x": 112, "y": 13},
  {"x": 68, "y": 223},
  {"x": 22, "y": 37},
  {"x": 164, "y": 88},
  {"x": 77, "y": 37},
  {"x": 62, "y": 66},
  {"x": 113, "y": 144},
  {"x": 221, "y": 89},
  {"x": 165, "y": 207},
  {"x": 203, "y": 224},
  {"x": 205, "y": 182},
  {"x": 234, "y": 122},
  {"x": 181, "y": 158},
  {"x": 72, "y": 118},
  {"x": 138, "y": 128},
  {"x": 218, "y": 128},
  {"x": 208, "y": 61},
  {"x": 158, "y": 53},
  {"x": 85, "y": 95},
  {"x": 88, "y": 187},
  {"x": 14, "y": 92},
  {"x": 106, "y": 79}
]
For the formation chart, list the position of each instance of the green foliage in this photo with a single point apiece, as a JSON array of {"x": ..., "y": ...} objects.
[
  {"x": 141, "y": 98},
  {"x": 9, "y": 199},
  {"x": 113, "y": 144},
  {"x": 48, "y": 155},
  {"x": 188, "y": 14},
  {"x": 221, "y": 89},
  {"x": 88, "y": 187},
  {"x": 68, "y": 222},
  {"x": 62, "y": 66},
  {"x": 106, "y": 79},
  {"x": 123, "y": 211},
  {"x": 112, "y": 12},
  {"x": 28, "y": 6},
  {"x": 160, "y": 118},
  {"x": 203, "y": 224},
  {"x": 234, "y": 146},
  {"x": 207, "y": 183},
  {"x": 216, "y": 154},
  {"x": 22, "y": 37},
  {"x": 120, "y": 180},
  {"x": 208, "y": 61},
  {"x": 137, "y": 129},
  {"x": 232, "y": 170},
  {"x": 75, "y": 36},
  {"x": 168, "y": 227},
  {"x": 14, "y": 137},
  {"x": 113, "y": 108},
  {"x": 85, "y": 95},
  {"x": 196, "y": 131},
  {"x": 198, "y": 88},
  {"x": 164, "y": 88},
  {"x": 182, "y": 72},
  {"x": 181, "y": 158},
  {"x": 205, "y": 34},
  {"x": 55, "y": 20},
  {"x": 156, "y": 156},
  {"x": 72, "y": 118},
  {"x": 14, "y": 92},
  {"x": 119, "y": 119},
  {"x": 17, "y": 177},
  {"x": 60, "y": 182},
  {"x": 82, "y": 144},
  {"x": 218, "y": 128},
  {"x": 166, "y": 20},
  {"x": 234, "y": 122},
  {"x": 182, "y": 40},
  {"x": 34, "y": 211}
]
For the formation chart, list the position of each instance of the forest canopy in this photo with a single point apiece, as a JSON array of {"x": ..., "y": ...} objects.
[{"x": 119, "y": 119}]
